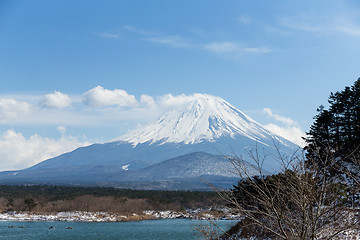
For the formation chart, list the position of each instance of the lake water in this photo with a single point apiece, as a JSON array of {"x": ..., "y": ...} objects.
[{"x": 175, "y": 229}]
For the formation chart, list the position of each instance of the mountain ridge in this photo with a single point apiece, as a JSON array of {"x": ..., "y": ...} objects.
[
  {"x": 205, "y": 124},
  {"x": 205, "y": 118}
]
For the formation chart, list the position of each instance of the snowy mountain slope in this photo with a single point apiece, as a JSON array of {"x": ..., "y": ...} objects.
[
  {"x": 205, "y": 118},
  {"x": 205, "y": 124},
  {"x": 189, "y": 166},
  {"x": 187, "y": 172}
]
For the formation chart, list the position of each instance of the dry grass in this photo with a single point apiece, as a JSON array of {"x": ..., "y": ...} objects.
[{"x": 111, "y": 204}]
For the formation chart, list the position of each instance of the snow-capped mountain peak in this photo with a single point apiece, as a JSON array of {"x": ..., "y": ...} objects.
[
  {"x": 178, "y": 149},
  {"x": 203, "y": 118}
]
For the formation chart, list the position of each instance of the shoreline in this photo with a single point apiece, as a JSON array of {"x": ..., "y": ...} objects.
[{"x": 83, "y": 216}]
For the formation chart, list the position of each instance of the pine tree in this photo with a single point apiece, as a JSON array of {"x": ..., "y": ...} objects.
[{"x": 335, "y": 136}]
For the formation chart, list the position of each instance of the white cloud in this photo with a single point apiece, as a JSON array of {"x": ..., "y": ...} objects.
[
  {"x": 222, "y": 47},
  {"x": 56, "y": 100},
  {"x": 171, "y": 41},
  {"x": 232, "y": 47},
  {"x": 352, "y": 30},
  {"x": 169, "y": 101},
  {"x": 289, "y": 130},
  {"x": 108, "y": 35},
  {"x": 19, "y": 152},
  {"x": 177, "y": 41},
  {"x": 11, "y": 108},
  {"x": 61, "y": 130},
  {"x": 174, "y": 41},
  {"x": 291, "y": 133},
  {"x": 346, "y": 25},
  {"x": 147, "y": 101},
  {"x": 282, "y": 119},
  {"x": 335, "y": 24},
  {"x": 100, "y": 97},
  {"x": 303, "y": 25}
]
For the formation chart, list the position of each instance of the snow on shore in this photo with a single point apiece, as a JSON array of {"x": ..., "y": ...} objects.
[
  {"x": 61, "y": 216},
  {"x": 81, "y": 216}
]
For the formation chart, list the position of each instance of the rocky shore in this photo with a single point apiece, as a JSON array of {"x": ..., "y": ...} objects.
[{"x": 83, "y": 216}]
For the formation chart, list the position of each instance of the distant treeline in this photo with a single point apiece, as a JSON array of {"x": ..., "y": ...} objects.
[{"x": 70, "y": 198}]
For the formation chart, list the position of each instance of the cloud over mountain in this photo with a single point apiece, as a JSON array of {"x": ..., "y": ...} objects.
[
  {"x": 288, "y": 128},
  {"x": 147, "y": 101}
]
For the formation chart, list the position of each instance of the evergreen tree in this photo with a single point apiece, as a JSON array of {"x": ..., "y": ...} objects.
[{"x": 335, "y": 136}]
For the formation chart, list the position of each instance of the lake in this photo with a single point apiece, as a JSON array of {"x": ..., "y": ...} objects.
[{"x": 173, "y": 229}]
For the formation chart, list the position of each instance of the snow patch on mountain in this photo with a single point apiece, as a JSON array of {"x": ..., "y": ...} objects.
[
  {"x": 203, "y": 118},
  {"x": 125, "y": 167}
]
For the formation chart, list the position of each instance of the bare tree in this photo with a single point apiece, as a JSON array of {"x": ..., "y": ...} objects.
[{"x": 300, "y": 202}]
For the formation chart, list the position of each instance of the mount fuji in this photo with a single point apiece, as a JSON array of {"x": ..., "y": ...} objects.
[{"x": 180, "y": 150}]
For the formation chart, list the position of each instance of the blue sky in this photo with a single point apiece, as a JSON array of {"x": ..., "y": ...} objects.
[{"x": 78, "y": 72}]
